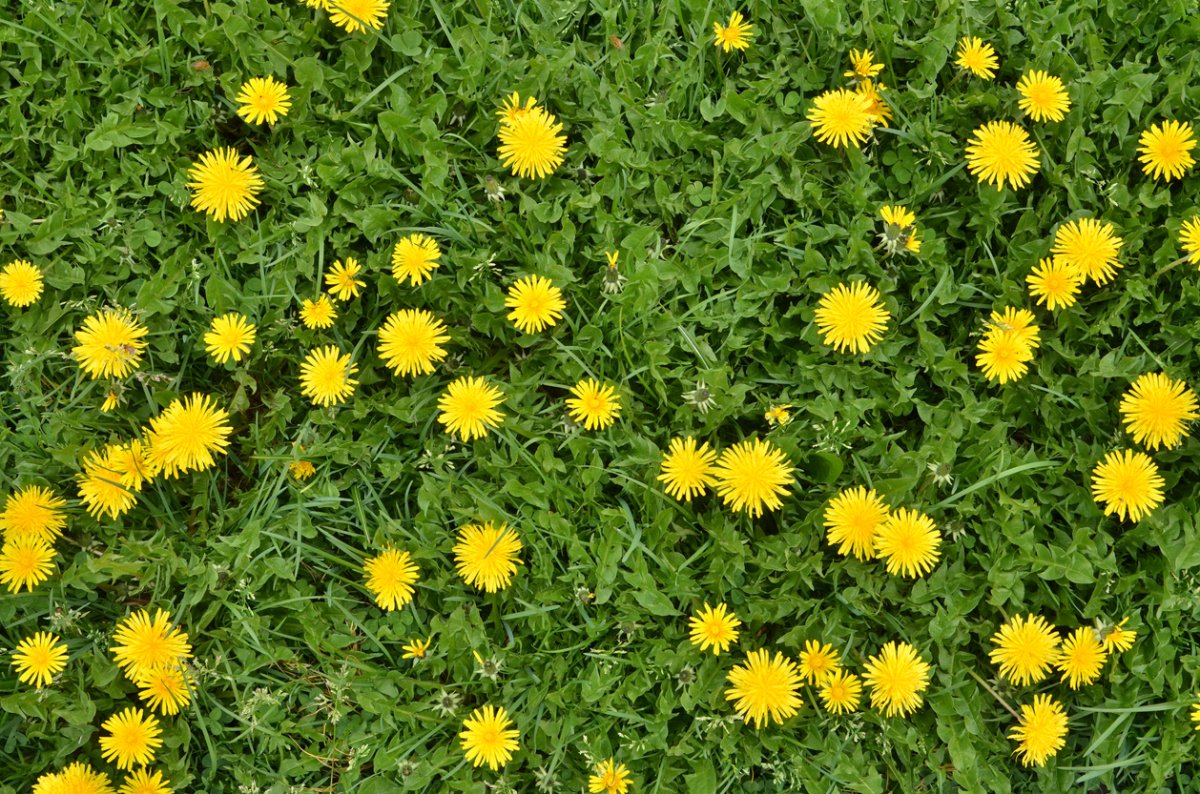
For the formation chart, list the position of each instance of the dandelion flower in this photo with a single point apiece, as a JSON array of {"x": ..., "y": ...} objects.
[
  {"x": 1119, "y": 638},
  {"x": 20, "y": 283},
  {"x": 263, "y": 99},
  {"x": 132, "y": 738},
  {"x": 840, "y": 692},
  {"x": 414, "y": 258},
  {"x": 977, "y": 57},
  {"x": 410, "y": 342},
  {"x": 1196, "y": 714},
  {"x": 862, "y": 65},
  {"x": 39, "y": 658},
  {"x": 1026, "y": 649},
  {"x": 595, "y": 405},
  {"x": 778, "y": 415},
  {"x": 76, "y": 778},
  {"x": 1090, "y": 247},
  {"x": 872, "y": 91},
  {"x": 852, "y": 518},
  {"x": 897, "y": 677},
  {"x": 852, "y": 317},
  {"x": 1003, "y": 357},
  {"x": 1082, "y": 657},
  {"x": 342, "y": 279},
  {"x": 1156, "y": 410},
  {"x": 111, "y": 342},
  {"x": 841, "y": 118},
  {"x": 487, "y": 738},
  {"x": 143, "y": 781},
  {"x": 763, "y": 688},
  {"x": 908, "y": 543},
  {"x": 752, "y": 475},
  {"x": 511, "y": 108},
  {"x": 319, "y": 313},
  {"x": 33, "y": 511},
  {"x": 102, "y": 487},
  {"x": 610, "y": 778},
  {"x": 818, "y": 661},
  {"x": 734, "y": 36},
  {"x": 486, "y": 555},
  {"x": 229, "y": 337},
  {"x": 1041, "y": 732},
  {"x": 166, "y": 688},
  {"x": 1000, "y": 152},
  {"x": 468, "y": 408},
  {"x": 301, "y": 469},
  {"x": 224, "y": 185},
  {"x": 532, "y": 144},
  {"x": 1189, "y": 238},
  {"x": 536, "y": 304},
  {"x": 391, "y": 576},
  {"x": 186, "y": 435},
  {"x": 325, "y": 376},
  {"x": 714, "y": 627},
  {"x": 111, "y": 401},
  {"x": 358, "y": 15},
  {"x": 686, "y": 469},
  {"x": 1043, "y": 97},
  {"x": 1054, "y": 283},
  {"x": 144, "y": 644},
  {"x": 1166, "y": 150},
  {"x": 1128, "y": 484},
  {"x": 416, "y": 649},
  {"x": 897, "y": 215},
  {"x": 25, "y": 562}
]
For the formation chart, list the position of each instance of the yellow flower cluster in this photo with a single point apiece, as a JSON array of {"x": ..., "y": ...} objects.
[
  {"x": 749, "y": 476},
  {"x": 859, "y": 523}
]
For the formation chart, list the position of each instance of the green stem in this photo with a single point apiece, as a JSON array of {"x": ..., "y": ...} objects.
[{"x": 994, "y": 694}]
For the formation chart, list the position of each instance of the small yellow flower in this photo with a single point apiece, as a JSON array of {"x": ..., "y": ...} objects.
[
  {"x": 511, "y": 108},
  {"x": 302, "y": 469},
  {"x": 764, "y": 689},
  {"x": 342, "y": 279},
  {"x": 778, "y": 415},
  {"x": 532, "y": 145},
  {"x": 391, "y": 577},
  {"x": 229, "y": 337},
  {"x": 358, "y": 15},
  {"x": 1090, "y": 246},
  {"x": 1127, "y": 483},
  {"x": 1000, "y": 152},
  {"x": 325, "y": 376},
  {"x": 486, "y": 555},
  {"x": 852, "y": 519},
  {"x": 1118, "y": 638},
  {"x": 39, "y": 658},
  {"x": 686, "y": 469},
  {"x": 536, "y": 304},
  {"x": 1189, "y": 238},
  {"x": 818, "y": 661},
  {"x": 416, "y": 649},
  {"x": 111, "y": 343},
  {"x": 111, "y": 400},
  {"x": 977, "y": 57},
  {"x": 1157, "y": 409},
  {"x": 1043, "y": 97},
  {"x": 714, "y": 627},
  {"x": 1082, "y": 657},
  {"x": 840, "y": 692},
  {"x": 908, "y": 542},
  {"x": 319, "y": 313},
  {"x": 25, "y": 561},
  {"x": 862, "y": 64},
  {"x": 1054, "y": 283},
  {"x": 734, "y": 36},
  {"x": 410, "y": 342},
  {"x": 133, "y": 737},
  {"x": 897, "y": 677},
  {"x": 20, "y": 283},
  {"x": 414, "y": 258},
  {"x": 1166, "y": 150},
  {"x": 852, "y": 318},
  {"x": 1041, "y": 732},
  {"x": 842, "y": 118},
  {"x": 752, "y": 475},
  {"x": 1026, "y": 649},
  {"x": 469, "y": 408},
  {"x": 224, "y": 185},
  {"x": 263, "y": 99},
  {"x": 487, "y": 738},
  {"x": 595, "y": 405},
  {"x": 610, "y": 778}
]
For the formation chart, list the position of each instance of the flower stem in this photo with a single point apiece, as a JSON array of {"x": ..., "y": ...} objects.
[{"x": 994, "y": 694}]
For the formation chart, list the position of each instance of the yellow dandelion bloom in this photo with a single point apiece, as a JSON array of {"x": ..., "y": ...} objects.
[
  {"x": 897, "y": 215},
  {"x": 319, "y": 313},
  {"x": 187, "y": 435},
  {"x": 263, "y": 99},
  {"x": 1003, "y": 356},
  {"x": 76, "y": 778},
  {"x": 1000, "y": 152},
  {"x": 301, "y": 469},
  {"x": 416, "y": 649},
  {"x": 595, "y": 405},
  {"x": 166, "y": 689},
  {"x": 468, "y": 408},
  {"x": 841, "y": 118},
  {"x": 752, "y": 475},
  {"x": 714, "y": 627},
  {"x": 734, "y": 36},
  {"x": 1157, "y": 409},
  {"x": 840, "y": 692},
  {"x": 486, "y": 555},
  {"x": 1054, "y": 283},
  {"x": 342, "y": 279},
  {"x": 1026, "y": 649},
  {"x": 610, "y": 778},
  {"x": 686, "y": 468},
  {"x": 764, "y": 689},
  {"x": 143, "y": 781},
  {"x": 358, "y": 15},
  {"x": 39, "y": 658},
  {"x": 25, "y": 562},
  {"x": 872, "y": 91},
  {"x": 414, "y": 258},
  {"x": 897, "y": 677},
  {"x": 112, "y": 478},
  {"x": 133, "y": 737},
  {"x": 1090, "y": 247},
  {"x": 1041, "y": 732},
  {"x": 852, "y": 519},
  {"x": 410, "y": 342},
  {"x": 818, "y": 661},
  {"x": 111, "y": 400},
  {"x": 1119, "y": 638},
  {"x": 908, "y": 542},
  {"x": 511, "y": 108},
  {"x": 536, "y": 304},
  {"x": 862, "y": 64},
  {"x": 852, "y": 318},
  {"x": 532, "y": 144},
  {"x": 1128, "y": 484},
  {"x": 325, "y": 376},
  {"x": 1019, "y": 323},
  {"x": 224, "y": 185},
  {"x": 143, "y": 645},
  {"x": 977, "y": 57},
  {"x": 1082, "y": 657},
  {"x": 33, "y": 511},
  {"x": 111, "y": 342},
  {"x": 229, "y": 337},
  {"x": 1189, "y": 238},
  {"x": 1166, "y": 150},
  {"x": 391, "y": 576},
  {"x": 1043, "y": 96},
  {"x": 1196, "y": 713},
  {"x": 20, "y": 283},
  {"x": 778, "y": 415},
  {"x": 487, "y": 738}
]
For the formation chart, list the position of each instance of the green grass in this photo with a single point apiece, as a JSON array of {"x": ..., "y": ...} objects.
[{"x": 731, "y": 220}]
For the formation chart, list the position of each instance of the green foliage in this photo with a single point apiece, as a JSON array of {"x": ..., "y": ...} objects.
[{"x": 700, "y": 169}]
